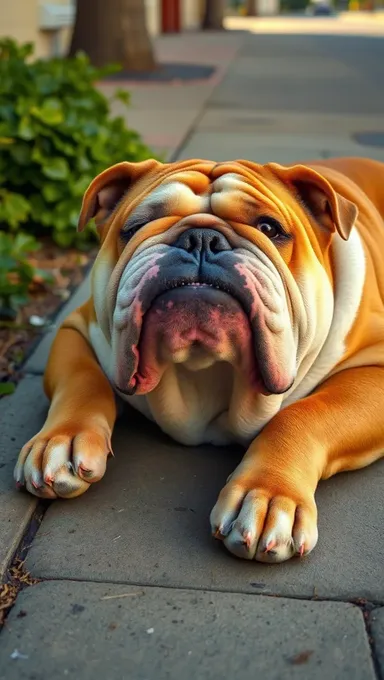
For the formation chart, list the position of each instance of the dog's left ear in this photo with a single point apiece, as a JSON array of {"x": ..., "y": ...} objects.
[
  {"x": 331, "y": 210},
  {"x": 107, "y": 189}
]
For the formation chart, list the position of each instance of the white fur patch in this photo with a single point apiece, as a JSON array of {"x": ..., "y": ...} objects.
[{"x": 349, "y": 261}]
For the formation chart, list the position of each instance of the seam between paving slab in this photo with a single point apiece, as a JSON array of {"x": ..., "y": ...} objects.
[{"x": 362, "y": 604}]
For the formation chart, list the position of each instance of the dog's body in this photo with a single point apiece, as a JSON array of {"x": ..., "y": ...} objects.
[{"x": 231, "y": 302}]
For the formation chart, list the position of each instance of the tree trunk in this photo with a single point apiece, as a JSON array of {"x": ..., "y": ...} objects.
[
  {"x": 113, "y": 32},
  {"x": 213, "y": 15},
  {"x": 251, "y": 8}
]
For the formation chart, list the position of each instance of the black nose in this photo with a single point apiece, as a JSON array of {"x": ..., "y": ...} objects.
[{"x": 208, "y": 240}]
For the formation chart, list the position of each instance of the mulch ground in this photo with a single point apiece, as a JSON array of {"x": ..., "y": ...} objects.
[{"x": 19, "y": 337}]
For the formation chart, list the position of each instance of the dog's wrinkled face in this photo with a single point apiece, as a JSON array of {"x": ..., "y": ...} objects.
[{"x": 203, "y": 263}]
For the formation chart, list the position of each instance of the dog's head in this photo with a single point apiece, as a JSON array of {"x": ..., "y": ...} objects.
[{"x": 204, "y": 262}]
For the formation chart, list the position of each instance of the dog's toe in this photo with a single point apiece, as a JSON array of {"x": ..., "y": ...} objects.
[
  {"x": 63, "y": 464},
  {"x": 255, "y": 524}
]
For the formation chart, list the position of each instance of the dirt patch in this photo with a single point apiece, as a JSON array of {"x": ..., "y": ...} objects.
[
  {"x": 18, "y": 578},
  {"x": 19, "y": 337}
]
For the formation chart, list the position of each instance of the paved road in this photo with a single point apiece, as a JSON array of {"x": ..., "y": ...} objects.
[{"x": 133, "y": 585}]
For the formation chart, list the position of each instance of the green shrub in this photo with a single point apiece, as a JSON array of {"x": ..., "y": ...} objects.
[
  {"x": 56, "y": 134},
  {"x": 16, "y": 273}
]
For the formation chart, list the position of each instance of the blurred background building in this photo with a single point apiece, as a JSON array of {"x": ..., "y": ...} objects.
[{"x": 49, "y": 24}]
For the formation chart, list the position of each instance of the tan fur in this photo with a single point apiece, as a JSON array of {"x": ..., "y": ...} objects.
[{"x": 332, "y": 417}]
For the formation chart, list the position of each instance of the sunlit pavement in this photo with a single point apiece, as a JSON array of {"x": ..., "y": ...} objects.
[{"x": 346, "y": 23}]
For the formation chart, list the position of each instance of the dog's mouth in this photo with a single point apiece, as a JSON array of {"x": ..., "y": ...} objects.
[{"x": 194, "y": 323}]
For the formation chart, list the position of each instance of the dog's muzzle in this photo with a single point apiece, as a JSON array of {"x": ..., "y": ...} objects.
[{"x": 194, "y": 306}]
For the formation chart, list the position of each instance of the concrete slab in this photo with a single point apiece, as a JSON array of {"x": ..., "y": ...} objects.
[
  {"x": 281, "y": 148},
  {"x": 377, "y": 631},
  {"x": 161, "y": 128},
  {"x": 92, "y": 631},
  {"x": 21, "y": 416},
  {"x": 306, "y": 94},
  {"x": 147, "y": 522},
  {"x": 295, "y": 68},
  {"x": 318, "y": 74},
  {"x": 37, "y": 360},
  {"x": 252, "y": 121},
  {"x": 164, "y": 113}
]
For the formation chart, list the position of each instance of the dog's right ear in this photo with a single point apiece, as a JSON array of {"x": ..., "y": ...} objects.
[{"x": 106, "y": 190}]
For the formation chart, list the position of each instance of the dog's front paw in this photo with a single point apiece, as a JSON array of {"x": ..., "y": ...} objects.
[
  {"x": 62, "y": 463},
  {"x": 258, "y": 523}
]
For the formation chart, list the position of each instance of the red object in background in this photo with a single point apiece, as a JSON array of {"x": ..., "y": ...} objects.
[{"x": 170, "y": 16}]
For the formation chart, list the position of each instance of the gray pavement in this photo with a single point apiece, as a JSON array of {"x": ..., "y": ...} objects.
[
  {"x": 92, "y": 630},
  {"x": 132, "y": 585},
  {"x": 295, "y": 97}
]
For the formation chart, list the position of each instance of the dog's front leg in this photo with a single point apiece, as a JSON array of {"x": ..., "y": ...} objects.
[
  {"x": 71, "y": 449},
  {"x": 267, "y": 509}
]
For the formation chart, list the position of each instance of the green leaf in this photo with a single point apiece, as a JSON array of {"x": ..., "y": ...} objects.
[
  {"x": 84, "y": 164},
  {"x": 56, "y": 168},
  {"x": 50, "y": 113},
  {"x": 6, "y": 262},
  {"x": 122, "y": 95},
  {"x": 64, "y": 239},
  {"x": 7, "y": 111},
  {"x": 14, "y": 208},
  {"x": 73, "y": 218},
  {"x": 67, "y": 148},
  {"x": 17, "y": 300},
  {"x": 6, "y": 241},
  {"x": 52, "y": 192},
  {"x": 25, "y": 129},
  {"x": 46, "y": 83},
  {"x": 21, "y": 153},
  {"x": 25, "y": 243},
  {"x": 7, "y": 388},
  {"x": 44, "y": 275},
  {"x": 56, "y": 135}
]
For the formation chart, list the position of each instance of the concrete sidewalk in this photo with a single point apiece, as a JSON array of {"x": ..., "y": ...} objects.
[
  {"x": 164, "y": 113},
  {"x": 132, "y": 585}
]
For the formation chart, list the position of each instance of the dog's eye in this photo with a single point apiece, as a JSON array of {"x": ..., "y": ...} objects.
[
  {"x": 270, "y": 228},
  {"x": 131, "y": 229}
]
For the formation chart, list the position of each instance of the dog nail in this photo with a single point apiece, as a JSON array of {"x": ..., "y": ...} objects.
[
  {"x": 269, "y": 546},
  {"x": 85, "y": 472},
  {"x": 217, "y": 534},
  {"x": 248, "y": 539}
]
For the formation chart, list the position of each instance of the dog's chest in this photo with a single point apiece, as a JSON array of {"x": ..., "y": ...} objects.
[
  {"x": 194, "y": 407},
  {"x": 191, "y": 407}
]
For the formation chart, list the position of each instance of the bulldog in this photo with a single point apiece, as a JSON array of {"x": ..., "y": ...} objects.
[{"x": 231, "y": 303}]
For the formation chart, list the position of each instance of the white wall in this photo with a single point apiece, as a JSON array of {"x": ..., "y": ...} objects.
[
  {"x": 20, "y": 20},
  {"x": 190, "y": 14},
  {"x": 267, "y": 8},
  {"x": 153, "y": 9}
]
